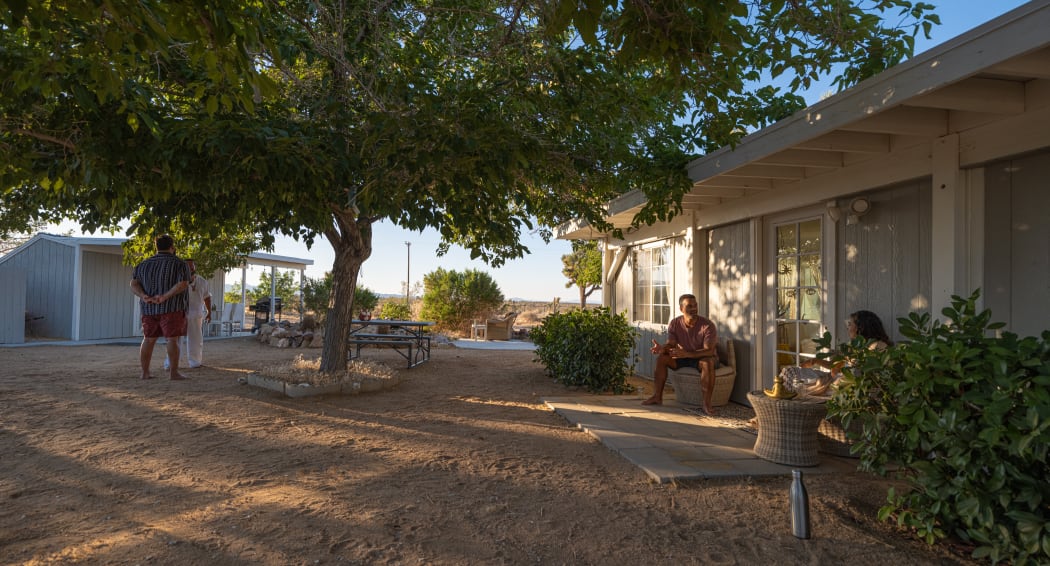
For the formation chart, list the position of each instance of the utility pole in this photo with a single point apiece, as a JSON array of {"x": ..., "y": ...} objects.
[{"x": 408, "y": 274}]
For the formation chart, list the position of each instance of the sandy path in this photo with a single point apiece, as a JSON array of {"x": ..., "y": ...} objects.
[{"x": 460, "y": 464}]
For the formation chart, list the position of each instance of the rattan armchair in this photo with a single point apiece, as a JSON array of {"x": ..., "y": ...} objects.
[
  {"x": 686, "y": 381},
  {"x": 500, "y": 328}
]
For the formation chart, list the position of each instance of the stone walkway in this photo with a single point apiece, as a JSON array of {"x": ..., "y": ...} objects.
[{"x": 668, "y": 443}]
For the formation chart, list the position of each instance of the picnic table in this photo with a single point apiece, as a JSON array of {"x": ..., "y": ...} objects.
[{"x": 407, "y": 337}]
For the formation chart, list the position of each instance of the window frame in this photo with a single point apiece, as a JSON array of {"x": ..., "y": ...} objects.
[{"x": 654, "y": 312}]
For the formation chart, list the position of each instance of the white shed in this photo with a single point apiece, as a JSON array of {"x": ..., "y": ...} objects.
[{"x": 76, "y": 288}]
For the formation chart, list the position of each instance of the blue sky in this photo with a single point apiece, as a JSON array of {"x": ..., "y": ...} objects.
[{"x": 538, "y": 275}]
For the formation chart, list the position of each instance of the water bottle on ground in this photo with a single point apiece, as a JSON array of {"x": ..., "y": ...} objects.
[{"x": 799, "y": 506}]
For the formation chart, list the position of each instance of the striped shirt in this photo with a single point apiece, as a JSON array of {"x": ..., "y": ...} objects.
[{"x": 157, "y": 275}]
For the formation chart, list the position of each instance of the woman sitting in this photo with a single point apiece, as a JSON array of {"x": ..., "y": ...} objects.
[{"x": 806, "y": 378}]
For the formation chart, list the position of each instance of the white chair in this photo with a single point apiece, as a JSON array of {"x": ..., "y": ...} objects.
[
  {"x": 234, "y": 320},
  {"x": 215, "y": 326}
]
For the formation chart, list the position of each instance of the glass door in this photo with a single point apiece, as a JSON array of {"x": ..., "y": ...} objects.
[{"x": 799, "y": 290}]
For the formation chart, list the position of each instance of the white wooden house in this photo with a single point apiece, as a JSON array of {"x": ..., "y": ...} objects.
[
  {"x": 77, "y": 288},
  {"x": 928, "y": 180}
]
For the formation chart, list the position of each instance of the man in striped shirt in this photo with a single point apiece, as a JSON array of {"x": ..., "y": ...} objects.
[{"x": 160, "y": 283}]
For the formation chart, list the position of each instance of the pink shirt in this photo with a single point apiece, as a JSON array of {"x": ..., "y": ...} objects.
[{"x": 700, "y": 336}]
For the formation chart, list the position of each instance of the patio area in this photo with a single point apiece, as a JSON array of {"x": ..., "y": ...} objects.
[{"x": 669, "y": 443}]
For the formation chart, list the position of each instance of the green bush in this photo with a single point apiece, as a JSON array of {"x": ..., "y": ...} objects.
[
  {"x": 587, "y": 348},
  {"x": 395, "y": 310},
  {"x": 965, "y": 416},
  {"x": 364, "y": 299},
  {"x": 316, "y": 293},
  {"x": 452, "y": 299}
]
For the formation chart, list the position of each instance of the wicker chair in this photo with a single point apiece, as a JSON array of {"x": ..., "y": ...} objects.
[
  {"x": 833, "y": 439},
  {"x": 686, "y": 381},
  {"x": 500, "y": 328}
]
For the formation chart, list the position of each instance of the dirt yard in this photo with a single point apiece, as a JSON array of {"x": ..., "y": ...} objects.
[{"x": 459, "y": 464}]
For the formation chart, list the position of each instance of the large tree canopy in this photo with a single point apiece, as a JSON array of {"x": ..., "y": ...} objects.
[{"x": 238, "y": 120}]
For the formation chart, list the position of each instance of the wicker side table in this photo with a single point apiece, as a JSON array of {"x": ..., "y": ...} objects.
[{"x": 787, "y": 429}]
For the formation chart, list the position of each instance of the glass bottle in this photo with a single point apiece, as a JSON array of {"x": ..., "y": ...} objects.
[{"x": 799, "y": 506}]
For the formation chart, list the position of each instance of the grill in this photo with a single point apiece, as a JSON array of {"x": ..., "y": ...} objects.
[{"x": 261, "y": 310}]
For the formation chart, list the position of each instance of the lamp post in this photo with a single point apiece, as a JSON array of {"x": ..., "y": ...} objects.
[{"x": 408, "y": 274}]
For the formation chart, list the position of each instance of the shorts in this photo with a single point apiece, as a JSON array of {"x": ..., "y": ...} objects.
[
  {"x": 691, "y": 363},
  {"x": 168, "y": 325}
]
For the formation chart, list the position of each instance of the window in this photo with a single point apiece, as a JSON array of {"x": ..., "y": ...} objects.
[
  {"x": 652, "y": 284},
  {"x": 800, "y": 295}
]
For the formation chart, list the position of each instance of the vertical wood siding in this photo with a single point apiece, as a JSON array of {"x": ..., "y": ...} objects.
[
  {"x": 1017, "y": 243},
  {"x": 12, "y": 306},
  {"x": 884, "y": 259},
  {"x": 49, "y": 286},
  {"x": 731, "y": 297},
  {"x": 107, "y": 307}
]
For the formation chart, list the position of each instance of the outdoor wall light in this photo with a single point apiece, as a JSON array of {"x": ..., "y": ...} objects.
[{"x": 857, "y": 207}]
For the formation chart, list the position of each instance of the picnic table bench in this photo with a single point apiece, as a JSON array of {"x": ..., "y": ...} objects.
[{"x": 410, "y": 343}]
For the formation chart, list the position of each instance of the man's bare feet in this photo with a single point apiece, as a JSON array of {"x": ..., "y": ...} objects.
[
  {"x": 709, "y": 411},
  {"x": 145, "y": 376},
  {"x": 178, "y": 377},
  {"x": 653, "y": 401}
]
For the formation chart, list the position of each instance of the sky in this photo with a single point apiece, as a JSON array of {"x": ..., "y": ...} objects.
[{"x": 537, "y": 276}]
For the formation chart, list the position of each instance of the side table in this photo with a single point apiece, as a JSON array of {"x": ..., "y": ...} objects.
[{"x": 787, "y": 428}]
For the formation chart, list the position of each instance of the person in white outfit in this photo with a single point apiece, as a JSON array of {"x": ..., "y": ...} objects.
[{"x": 198, "y": 313}]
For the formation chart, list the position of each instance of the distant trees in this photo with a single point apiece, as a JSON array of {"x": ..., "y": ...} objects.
[
  {"x": 11, "y": 240},
  {"x": 583, "y": 267},
  {"x": 453, "y": 298}
]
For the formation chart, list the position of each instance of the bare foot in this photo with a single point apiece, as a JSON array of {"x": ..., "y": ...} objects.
[
  {"x": 709, "y": 411},
  {"x": 178, "y": 377},
  {"x": 653, "y": 401},
  {"x": 145, "y": 376}
]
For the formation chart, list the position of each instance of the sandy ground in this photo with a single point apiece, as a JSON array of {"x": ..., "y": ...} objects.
[{"x": 459, "y": 464}]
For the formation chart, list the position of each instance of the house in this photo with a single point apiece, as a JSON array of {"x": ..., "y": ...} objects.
[
  {"x": 928, "y": 180},
  {"x": 76, "y": 288}
]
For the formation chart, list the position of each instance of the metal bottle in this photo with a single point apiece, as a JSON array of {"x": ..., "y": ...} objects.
[{"x": 799, "y": 506}]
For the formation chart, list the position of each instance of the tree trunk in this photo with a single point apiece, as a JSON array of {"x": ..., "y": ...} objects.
[
  {"x": 583, "y": 297},
  {"x": 351, "y": 239}
]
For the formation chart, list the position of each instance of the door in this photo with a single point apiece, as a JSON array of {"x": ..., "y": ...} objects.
[{"x": 800, "y": 289}]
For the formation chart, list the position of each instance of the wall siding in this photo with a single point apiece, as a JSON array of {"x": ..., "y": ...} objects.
[
  {"x": 884, "y": 259},
  {"x": 107, "y": 308},
  {"x": 1017, "y": 243},
  {"x": 49, "y": 286},
  {"x": 13, "y": 306}
]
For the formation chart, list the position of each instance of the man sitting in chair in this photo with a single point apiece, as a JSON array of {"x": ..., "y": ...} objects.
[{"x": 691, "y": 342}]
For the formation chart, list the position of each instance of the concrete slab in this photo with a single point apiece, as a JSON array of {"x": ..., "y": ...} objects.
[{"x": 669, "y": 443}]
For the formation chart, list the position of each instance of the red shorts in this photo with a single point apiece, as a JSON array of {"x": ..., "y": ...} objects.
[{"x": 168, "y": 325}]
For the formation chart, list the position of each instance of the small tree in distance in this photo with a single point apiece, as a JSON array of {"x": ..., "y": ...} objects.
[
  {"x": 583, "y": 267},
  {"x": 451, "y": 298}
]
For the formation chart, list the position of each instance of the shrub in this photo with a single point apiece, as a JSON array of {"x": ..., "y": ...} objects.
[
  {"x": 452, "y": 299},
  {"x": 364, "y": 299},
  {"x": 395, "y": 310},
  {"x": 316, "y": 293},
  {"x": 965, "y": 415},
  {"x": 587, "y": 348}
]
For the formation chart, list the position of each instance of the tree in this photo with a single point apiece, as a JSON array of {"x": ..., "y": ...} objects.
[
  {"x": 583, "y": 267},
  {"x": 286, "y": 288},
  {"x": 10, "y": 241},
  {"x": 453, "y": 298},
  {"x": 479, "y": 118},
  {"x": 316, "y": 293}
]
